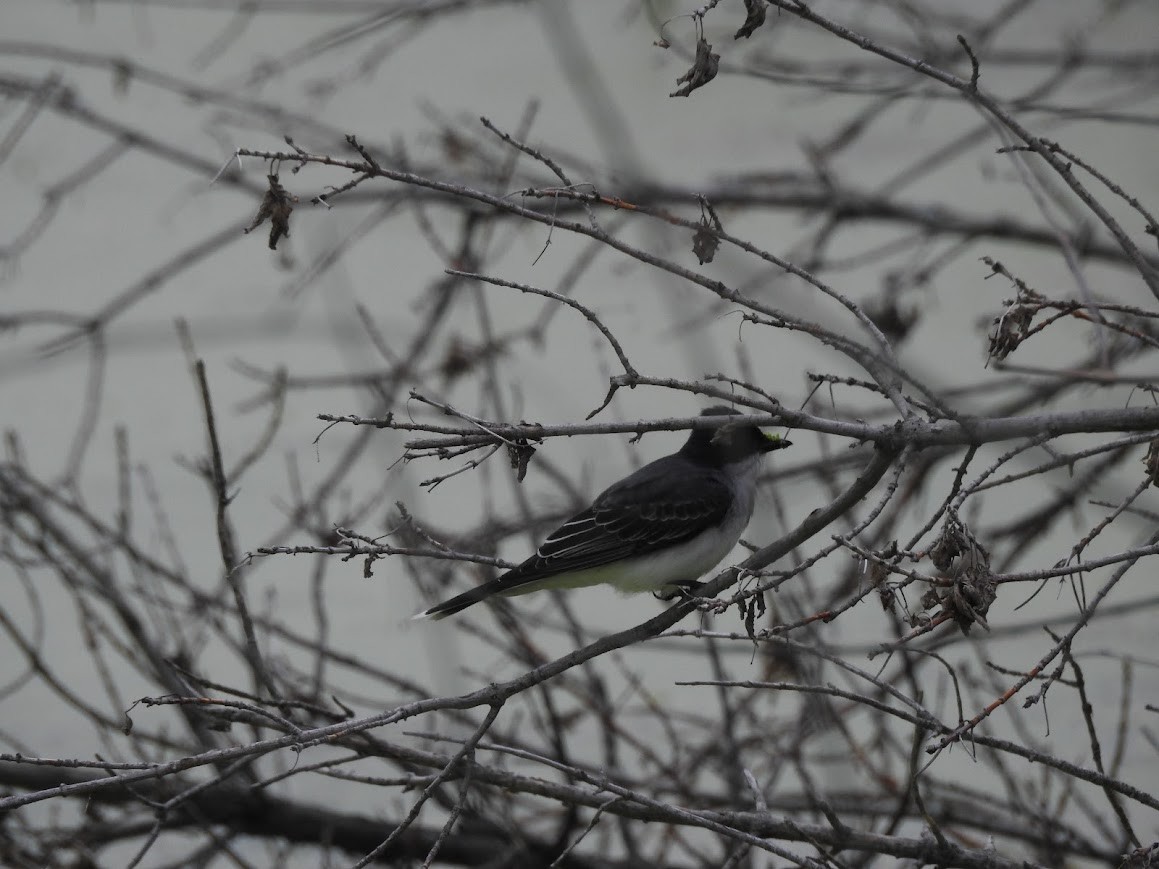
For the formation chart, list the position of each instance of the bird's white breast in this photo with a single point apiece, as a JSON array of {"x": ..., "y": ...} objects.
[
  {"x": 691, "y": 560},
  {"x": 685, "y": 561}
]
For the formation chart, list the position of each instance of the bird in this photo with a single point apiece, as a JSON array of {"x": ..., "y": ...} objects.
[{"x": 659, "y": 529}]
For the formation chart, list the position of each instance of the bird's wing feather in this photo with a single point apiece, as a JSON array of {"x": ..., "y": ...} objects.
[{"x": 637, "y": 515}]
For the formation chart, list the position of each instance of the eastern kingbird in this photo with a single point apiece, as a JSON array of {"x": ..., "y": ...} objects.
[{"x": 664, "y": 526}]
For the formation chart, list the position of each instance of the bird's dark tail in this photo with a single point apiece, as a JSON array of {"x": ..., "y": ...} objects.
[{"x": 460, "y": 602}]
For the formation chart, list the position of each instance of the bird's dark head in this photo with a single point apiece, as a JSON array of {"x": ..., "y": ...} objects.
[{"x": 730, "y": 442}]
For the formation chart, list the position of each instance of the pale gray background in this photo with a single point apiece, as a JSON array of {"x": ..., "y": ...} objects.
[{"x": 491, "y": 62}]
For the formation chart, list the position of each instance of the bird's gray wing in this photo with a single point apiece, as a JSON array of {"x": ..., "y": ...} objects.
[{"x": 664, "y": 503}]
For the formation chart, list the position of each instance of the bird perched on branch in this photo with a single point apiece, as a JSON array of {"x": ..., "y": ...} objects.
[{"x": 660, "y": 528}]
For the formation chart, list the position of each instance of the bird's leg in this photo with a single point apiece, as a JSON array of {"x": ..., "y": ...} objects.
[{"x": 684, "y": 590}]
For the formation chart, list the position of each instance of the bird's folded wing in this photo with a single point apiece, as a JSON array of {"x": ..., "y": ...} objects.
[{"x": 641, "y": 514}]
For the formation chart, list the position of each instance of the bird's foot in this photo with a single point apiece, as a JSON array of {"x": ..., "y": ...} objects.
[{"x": 680, "y": 590}]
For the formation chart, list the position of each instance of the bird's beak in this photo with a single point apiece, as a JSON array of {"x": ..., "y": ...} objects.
[{"x": 774, "y": 442}]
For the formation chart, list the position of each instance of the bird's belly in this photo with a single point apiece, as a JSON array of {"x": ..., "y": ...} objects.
[{"x": 681, "y": 563}]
